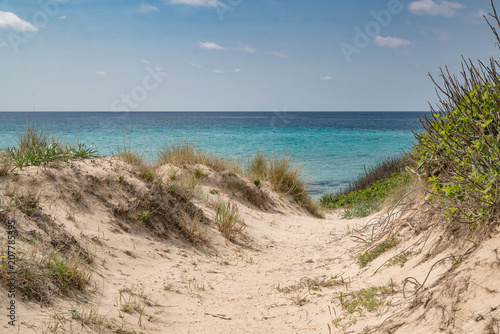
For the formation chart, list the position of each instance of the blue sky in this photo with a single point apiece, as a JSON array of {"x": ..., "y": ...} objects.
[{"x": 233, "y": 55}]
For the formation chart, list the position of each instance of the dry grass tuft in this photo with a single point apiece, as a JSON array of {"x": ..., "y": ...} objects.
[
  {"x": 228, "y": 221},
  {"x": 43, "y": 271},
  {"x": 5, "y": 163},
  {"x": 187, "y": 153},
  {"x": 284, "y": 176},
  {"x": 191, "y": 228}
]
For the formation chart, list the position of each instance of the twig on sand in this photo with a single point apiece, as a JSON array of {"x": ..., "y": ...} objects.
[
  {"x": 496, "y": 254},
  {"x": 221, "y": 316}
]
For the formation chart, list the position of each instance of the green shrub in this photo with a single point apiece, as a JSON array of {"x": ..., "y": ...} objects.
[
  {"x": 459, "y": 152},
  {"x": 373, "y": 194}
]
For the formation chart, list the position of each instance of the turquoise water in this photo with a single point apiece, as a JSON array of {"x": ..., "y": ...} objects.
[{"x": 333, "y": 147}]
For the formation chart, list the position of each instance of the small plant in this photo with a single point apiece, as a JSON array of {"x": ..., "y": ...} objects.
[
  {"x": 145, "y": 216},
  {"x": 315, "y": 284},
  {"x": 256, "y": 181},
  {"x": 214, "y": 192},
  {"x": 29, "y": 202},
  {"x": 82, "y": 151},
  {"x": 298, "y": 299},
  {"x": 198, "y": 173},
  {"x": 399, "y": 259},
  {"x": 371, "y": 255},
  {"x": 227, "y": 220},
  {"x": 77, "y": 197},
  {"x": 368, "y": 299},
  {"x": 121, "y": 178},
  {"x": 148, "y": 176},
  {"x": 191, "y": 228}
]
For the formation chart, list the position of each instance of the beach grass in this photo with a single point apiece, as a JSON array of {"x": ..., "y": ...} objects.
[
  {"x": 35, "y": 147},
  {"x": 188, "y": 153}
]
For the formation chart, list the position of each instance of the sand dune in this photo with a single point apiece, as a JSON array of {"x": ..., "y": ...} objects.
[{"x": 288, "y": 272}]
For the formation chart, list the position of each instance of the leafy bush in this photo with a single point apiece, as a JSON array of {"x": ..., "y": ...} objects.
[{"x": 459, "y": 153}]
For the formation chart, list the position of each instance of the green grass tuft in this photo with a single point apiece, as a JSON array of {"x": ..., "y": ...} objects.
[{"x": 36, "y": 147}]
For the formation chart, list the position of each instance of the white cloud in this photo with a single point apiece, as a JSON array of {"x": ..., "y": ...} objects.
[
  {"x": 246, "y": 48},
  {"x": 3, "y": 44},
  {"x": 438, "y": 7},
  {"x": 237, "y": 70},
  {"x": 158, "y": 68},
  {"x": 218, "y": 71},
  {"x": 197, "y": 3},
  {"x": 210, "y": 46},
  {"x": 195, "y": 65},
  {"x": 279, "y": 54},
  {"x": 326, "y": 78},
  {"x": 12, "y": 21},
  {"x": 62, "y": 17},
  {"x": 147, "y": 62},
  {"x": 390, "y": 42},
  {"x": 100, "y": 73},
  {"x": 147, "y": 8}
]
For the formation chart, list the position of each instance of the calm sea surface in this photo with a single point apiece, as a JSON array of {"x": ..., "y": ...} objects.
[{"x": 333, "y": 147}]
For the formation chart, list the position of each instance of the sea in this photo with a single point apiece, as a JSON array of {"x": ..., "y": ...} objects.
[{"x": 331, "y": 147}]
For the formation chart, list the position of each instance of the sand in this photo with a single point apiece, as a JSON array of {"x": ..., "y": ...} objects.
[{"x": 143, "y": 282}]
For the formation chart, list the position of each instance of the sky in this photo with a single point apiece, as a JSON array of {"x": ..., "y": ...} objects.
[{"x": 234, "y": 55}]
